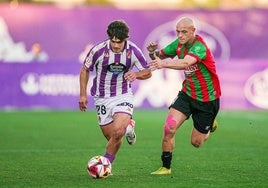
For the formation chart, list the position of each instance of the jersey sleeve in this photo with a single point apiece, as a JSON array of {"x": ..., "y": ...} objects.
[
  {"x": 139, "y": 58},
  {"x": 170, "y": 50},
  {"x": 92, "y": 57},
  {"x": 198, "y": 50},
  {"x": 88, "y": 60}
]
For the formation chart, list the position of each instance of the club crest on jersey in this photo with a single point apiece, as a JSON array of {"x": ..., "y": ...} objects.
[
  {"x": 128, "y": 54},
  {"x": 116, "y": 68}
]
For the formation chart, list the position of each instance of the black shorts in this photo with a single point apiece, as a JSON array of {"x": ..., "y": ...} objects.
[{"x": 203, "y": 113}]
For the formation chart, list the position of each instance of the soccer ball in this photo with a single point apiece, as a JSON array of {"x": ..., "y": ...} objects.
[{"x": 99, "y": 167}]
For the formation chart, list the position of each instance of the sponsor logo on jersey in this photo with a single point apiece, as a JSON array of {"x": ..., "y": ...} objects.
[
  {"x": 116, "y": 68},
  {"x": 125, "y": 104}
]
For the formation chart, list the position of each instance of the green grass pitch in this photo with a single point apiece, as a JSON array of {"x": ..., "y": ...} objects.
[{"x": 52, "y": 148}]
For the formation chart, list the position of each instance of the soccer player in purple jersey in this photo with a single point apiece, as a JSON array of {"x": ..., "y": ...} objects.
[
  {"x": 200, "y": 93},
  {"x": 113, "y": 61}
]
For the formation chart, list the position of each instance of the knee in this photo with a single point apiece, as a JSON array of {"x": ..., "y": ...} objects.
[
  {"x": 196, "y": 143},
  {"x": 197, "y": 138},
  {"x": 170, "y": 126}
]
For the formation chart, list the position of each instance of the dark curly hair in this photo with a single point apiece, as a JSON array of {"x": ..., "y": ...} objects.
[{"x": 118, "y": 29}]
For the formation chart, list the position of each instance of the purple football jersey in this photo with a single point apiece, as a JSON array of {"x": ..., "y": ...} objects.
[{"x": 110, "y": 68}]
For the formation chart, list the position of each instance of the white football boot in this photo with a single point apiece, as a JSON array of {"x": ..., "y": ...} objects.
[{"x": 130, "y": 133}]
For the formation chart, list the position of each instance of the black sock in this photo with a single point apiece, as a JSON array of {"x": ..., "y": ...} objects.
[{"x": 166, "y": 158}]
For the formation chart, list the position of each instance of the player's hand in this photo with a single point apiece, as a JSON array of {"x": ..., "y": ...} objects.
[
  {"x": 152, "y": 46},
  {"x": 83, "y": 103},
  {"x": 156, "y": 64},
  {"x": 130, "y": 76}
]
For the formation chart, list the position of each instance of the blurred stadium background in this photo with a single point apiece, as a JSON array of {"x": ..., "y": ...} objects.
[
  {"x": 170, "y": 4},
  {"x": 43, "y": 43},
  {"x": 45, "y": 141}
]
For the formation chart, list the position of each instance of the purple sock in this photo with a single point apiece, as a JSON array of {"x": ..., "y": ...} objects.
[{"x": 110, "y": 157}]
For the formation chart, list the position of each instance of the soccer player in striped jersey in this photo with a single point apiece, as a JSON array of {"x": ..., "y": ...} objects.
[
  {"x": 200, "y": 93},
  {"x": 113, "y": 61}
]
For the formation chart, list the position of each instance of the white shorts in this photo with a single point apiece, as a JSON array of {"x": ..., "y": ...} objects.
[{"x": 107, "y": 107}]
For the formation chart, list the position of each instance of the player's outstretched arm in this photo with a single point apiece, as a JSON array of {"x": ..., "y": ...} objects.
[
  {"x": 144, "y": 74},
  {"x": 141, "y": 75},
  {"x": 84, "y": 77}
]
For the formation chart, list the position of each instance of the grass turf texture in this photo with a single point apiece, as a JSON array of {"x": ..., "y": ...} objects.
[{"x": 51, "y": 149}]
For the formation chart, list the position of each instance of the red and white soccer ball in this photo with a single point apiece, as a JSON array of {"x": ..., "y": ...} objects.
[{"x": 99, "y": 167}]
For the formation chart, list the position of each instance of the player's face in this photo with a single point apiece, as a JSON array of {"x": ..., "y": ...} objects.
[
  {"x": 185, "y": 33},
  {"x": 117, "y": 45}
]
